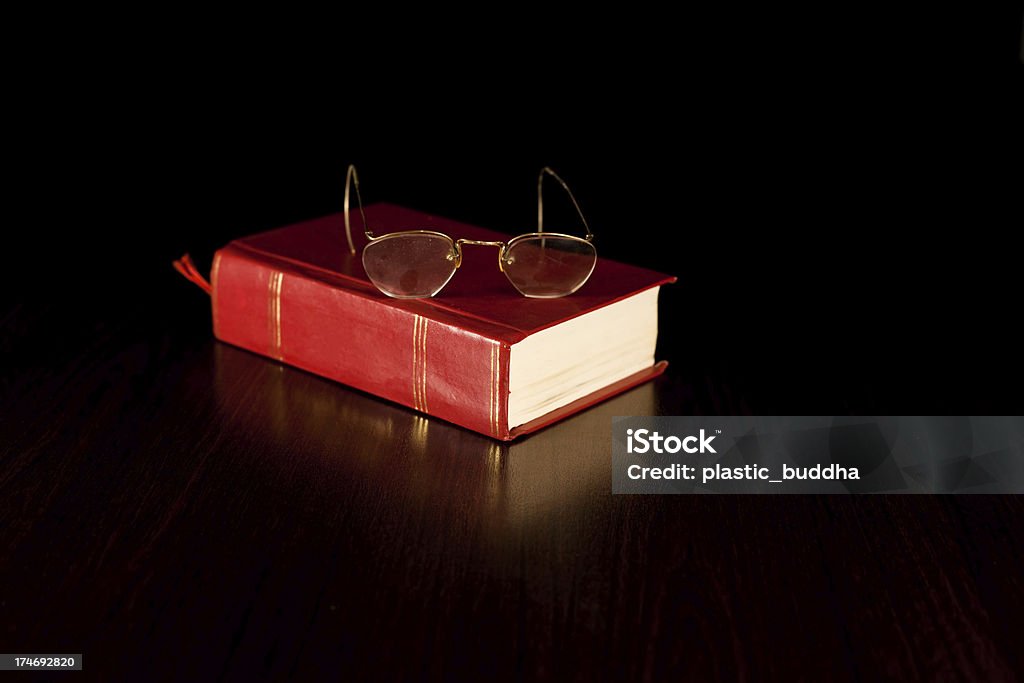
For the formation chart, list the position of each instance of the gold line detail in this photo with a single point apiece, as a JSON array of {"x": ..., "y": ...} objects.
[
  {"x": 277, "y": 319},
  {"x": 490, "y": 396},
  {"x": 415, "y": 356},
  {"x": 423, "y": 363},
  {"x": 274, "y": 311},
  {"x": 497, "y": 388},
  {"x": 494, "y": 383}
]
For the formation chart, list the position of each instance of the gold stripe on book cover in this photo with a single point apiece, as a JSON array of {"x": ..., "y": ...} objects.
[
  {"x": 419, "y": 363},
  {"x": 274, "y": 312}
]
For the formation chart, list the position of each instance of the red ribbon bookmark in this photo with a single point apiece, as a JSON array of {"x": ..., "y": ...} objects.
[{"x": 188, "y": 269}]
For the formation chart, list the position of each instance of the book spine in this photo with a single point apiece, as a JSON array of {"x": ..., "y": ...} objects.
[{"x": 430, "y": 366}]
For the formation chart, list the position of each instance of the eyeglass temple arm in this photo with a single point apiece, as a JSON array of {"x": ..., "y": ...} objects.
[
  {"x": 352, "y": 178},
  {"x": 540, "y": 200}
]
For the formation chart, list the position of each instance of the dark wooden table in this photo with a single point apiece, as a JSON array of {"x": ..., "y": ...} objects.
[{"x": 178, "y": 509}]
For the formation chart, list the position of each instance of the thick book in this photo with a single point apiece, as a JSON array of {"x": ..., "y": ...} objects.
[{"x": 478, "y": 354}]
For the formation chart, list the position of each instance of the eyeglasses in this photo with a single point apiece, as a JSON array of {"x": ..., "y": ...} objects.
[{"x": 413, "y": 264}]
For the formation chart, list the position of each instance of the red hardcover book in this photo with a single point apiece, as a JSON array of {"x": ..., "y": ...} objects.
[{"x": 297, "y": 295}]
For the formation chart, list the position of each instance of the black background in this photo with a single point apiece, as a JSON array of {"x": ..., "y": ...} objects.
[{"x": 837, "y": 191}]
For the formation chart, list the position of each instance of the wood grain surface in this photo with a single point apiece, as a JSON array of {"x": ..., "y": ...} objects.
[{"x": 177, "y": 509}]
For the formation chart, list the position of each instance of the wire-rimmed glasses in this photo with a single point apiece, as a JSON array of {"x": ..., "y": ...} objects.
[{"x": 414, "y": 264}]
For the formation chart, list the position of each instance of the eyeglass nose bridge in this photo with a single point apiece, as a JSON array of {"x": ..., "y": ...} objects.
[{"x": 480, "y": 243}]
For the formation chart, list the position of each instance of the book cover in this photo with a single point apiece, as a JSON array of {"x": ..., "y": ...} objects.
[{"x": 297, "y": 295}]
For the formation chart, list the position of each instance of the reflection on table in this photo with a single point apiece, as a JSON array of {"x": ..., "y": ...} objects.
[{"x": 423, "y": 460}]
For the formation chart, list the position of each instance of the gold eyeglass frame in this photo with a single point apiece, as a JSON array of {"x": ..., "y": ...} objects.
[{"x": 352, "y": 179}]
